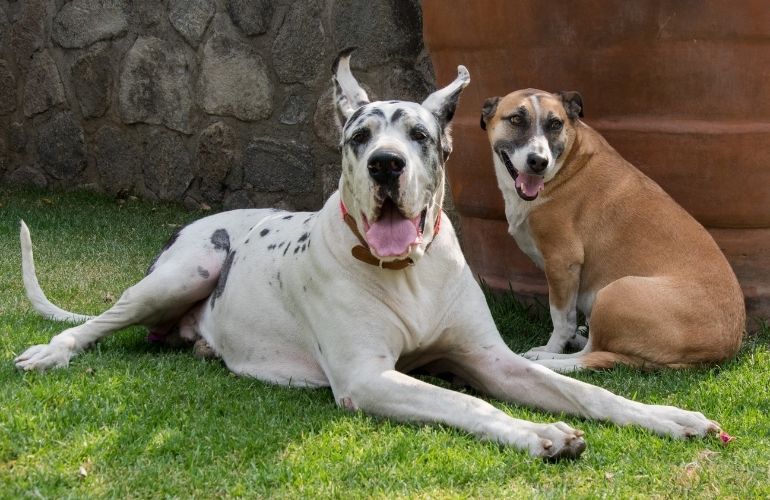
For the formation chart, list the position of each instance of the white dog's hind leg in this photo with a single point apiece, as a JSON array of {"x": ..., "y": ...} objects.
[{"x": 163, "y": 295}]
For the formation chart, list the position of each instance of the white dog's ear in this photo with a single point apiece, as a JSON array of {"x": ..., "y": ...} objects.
[
  {"x": 348, "y": 94},
  {"x": 443, "y": 102}
]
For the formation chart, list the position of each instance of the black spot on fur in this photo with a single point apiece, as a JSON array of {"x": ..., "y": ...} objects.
[
  {"x": 302, "y": 248},
  {"x": 296, "y": 249},
  {"x": 319, "y": 348},
  {"x": 203, "y": 273},
  {"x": 271, "y": 246},
  {"x": 264, "y": 232},
  {"x": 303, "y": 237},
  {"x": 247, "y": 240},
  {"x": 356, "y": 114},
  {"x": 281, "y": 244},
  {"x": 397, "y": 114},
  {"x": 222, "y": 278},
  {"x": 287, "y": 217},
  {"x": 166, "y": 246},
  {"x": 221, "y": 240},
  {"x": 307, "y": 220},
  {"x": 286, "y": 249},
  {"x": 376, "y": 112}
]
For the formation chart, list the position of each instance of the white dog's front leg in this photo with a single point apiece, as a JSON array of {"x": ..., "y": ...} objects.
[
  {"x": 392, "y": 394},
  {"x": 501, "y": 373}
]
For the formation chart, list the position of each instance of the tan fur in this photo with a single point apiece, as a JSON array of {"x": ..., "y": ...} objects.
[{"x": 665, "y": 294}]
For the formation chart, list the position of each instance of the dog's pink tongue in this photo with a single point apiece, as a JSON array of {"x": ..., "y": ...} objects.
[
  {"x": 530, "y": 185},
  {"x": 392, "y": 234}
]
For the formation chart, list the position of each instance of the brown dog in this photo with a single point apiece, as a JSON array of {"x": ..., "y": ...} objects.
[{"x": 652, "y": 283}]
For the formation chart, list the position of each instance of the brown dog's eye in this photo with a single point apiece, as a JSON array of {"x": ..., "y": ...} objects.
[
  {"x": 555, "y": 125},
  {"x": 516, "y": 120}
]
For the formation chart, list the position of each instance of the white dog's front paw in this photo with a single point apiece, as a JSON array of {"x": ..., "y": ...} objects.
[
  {"x": 680, "y": 424},
  {"x": 556, "y": 441},
  {"x": 43, "y": 356}
]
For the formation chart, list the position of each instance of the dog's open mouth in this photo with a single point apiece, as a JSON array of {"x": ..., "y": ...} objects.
[
  {"x": 528, "y": 186},
  {"x": 393, "y": 234}
]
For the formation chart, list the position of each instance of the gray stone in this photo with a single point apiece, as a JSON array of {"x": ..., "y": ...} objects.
[
  {"x": 155, "y": 84},
  {"x": 190, "y": 18},
  {"x": 82, "y": 22},
  {"x": 294, "y": 110},
  {"x": 118, "y": 161},
  {"x": 216, "y": 158},
  {"x": 237, "y": 199},
  {"x": 3, "y": 157},
  {"x": 27, "y": 176},
  {"x": 234, "y": 80},
  {"x": 43, "y": 88},
  {"x": 251, "y": 16},
  {"x": 300, "y": 58},
  {"x": 407, "y": 84},
  {"x": 384, "y": 30},
  {"x": 5, "y": 28},
  {"x": 167, "y": 165},
  {"x": 61, "y": 149},
  {"x": 324, "y": 124},
  {"x": 331, "y": 173},
  {"x": 272, "y": 165},
  {"x": 17, "y": 138},
  {"x": 28, "y": 31},
  {"x": 92, "y": 81},
  {"x": 7, "y": 89}
]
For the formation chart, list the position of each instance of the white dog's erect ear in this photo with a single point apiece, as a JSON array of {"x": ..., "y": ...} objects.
[
  {"x": 348, "y": 94},
  {"x": 443, "y": 102}
]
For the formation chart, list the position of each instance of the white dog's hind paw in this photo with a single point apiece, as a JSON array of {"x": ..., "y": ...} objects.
[
  {"x": 42, "y": 357},
  {"x": 557, "y": 441}
]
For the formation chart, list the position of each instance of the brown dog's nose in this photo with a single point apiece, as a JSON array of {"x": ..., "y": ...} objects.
[
  {"x": 385, "y": 166},
  {"x": 537, "y": 163}
]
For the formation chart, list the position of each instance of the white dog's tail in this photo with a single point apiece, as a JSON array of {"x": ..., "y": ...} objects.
[{"x": 35, "y": 294}]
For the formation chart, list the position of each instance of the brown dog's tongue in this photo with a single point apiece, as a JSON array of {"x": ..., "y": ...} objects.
[{"x": 530, "y": 185}]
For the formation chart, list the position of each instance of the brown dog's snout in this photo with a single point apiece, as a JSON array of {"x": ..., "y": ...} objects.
[
  {"x": 536, "y": 162},
  {"x": 385, "y": 166}
]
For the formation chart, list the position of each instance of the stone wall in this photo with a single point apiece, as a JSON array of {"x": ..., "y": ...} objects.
[{"x": 203, "y": 101}]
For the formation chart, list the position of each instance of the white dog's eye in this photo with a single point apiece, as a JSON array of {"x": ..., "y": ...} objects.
[
  {"x": 418, "y": 135},
  {"x": 361, "y": 136}
]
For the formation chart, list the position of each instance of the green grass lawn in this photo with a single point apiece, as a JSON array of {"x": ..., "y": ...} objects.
[{"x": 130, "y": 419}]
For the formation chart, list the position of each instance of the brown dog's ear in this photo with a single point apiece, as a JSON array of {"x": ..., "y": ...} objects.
[
  {"x": 488, "y": 110},
  {"x": 573, "y": 103}
]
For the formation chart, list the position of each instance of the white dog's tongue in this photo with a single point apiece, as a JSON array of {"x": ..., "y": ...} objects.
[
  {"x": 530, "y": 185},
  {"x": 392, "y": 234}
]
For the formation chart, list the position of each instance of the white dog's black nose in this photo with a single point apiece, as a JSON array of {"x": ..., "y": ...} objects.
[
  {"x": 537, "y": 163},
  {"x": 385, "y": 166}
]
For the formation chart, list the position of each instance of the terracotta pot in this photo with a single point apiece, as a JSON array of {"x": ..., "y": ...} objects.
[{"x": 680, "y": 89}]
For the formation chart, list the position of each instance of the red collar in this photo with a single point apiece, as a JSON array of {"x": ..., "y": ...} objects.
[{"x": 362, "y": 252}]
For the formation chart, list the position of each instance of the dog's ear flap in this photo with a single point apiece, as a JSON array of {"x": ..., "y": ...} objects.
[
  {"x": 573, "y": 103},
  {"x": 348, "y": 94},
  {"x": 443, "y": 102},
  {"x": 488, "y": 110}
]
